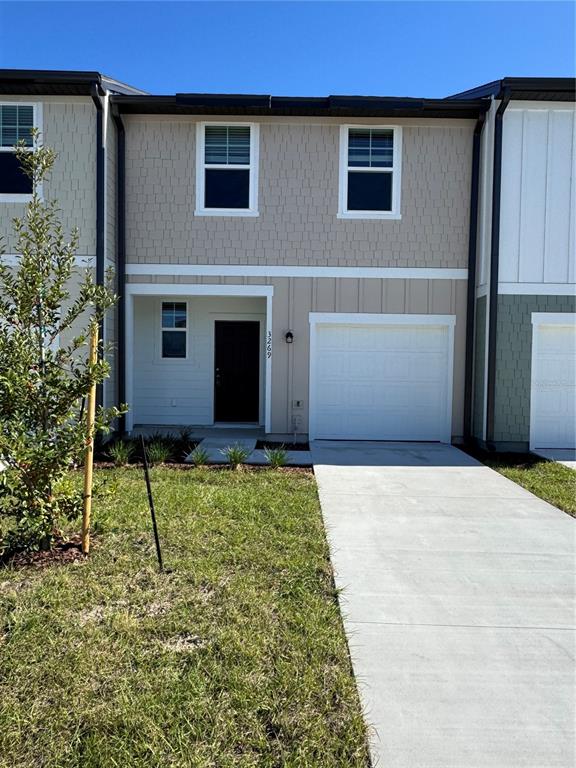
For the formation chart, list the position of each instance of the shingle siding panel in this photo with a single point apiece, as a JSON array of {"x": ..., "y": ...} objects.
[
  {"x": 514, "y": 360},
  {"x": 298, "y": 201}
]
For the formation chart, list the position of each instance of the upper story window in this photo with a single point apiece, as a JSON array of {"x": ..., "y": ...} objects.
[
  {"x": 370, "y": 162},
  {"x": 174, "y": 327},
  {"x": 227, "y": 169},
  {"x": 16, "y": 123}
]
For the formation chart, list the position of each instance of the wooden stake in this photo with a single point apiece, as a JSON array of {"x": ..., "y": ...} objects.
[{"x": 89, "y": 459}]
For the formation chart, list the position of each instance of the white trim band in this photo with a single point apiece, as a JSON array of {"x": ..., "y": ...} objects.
[
  {"x": 241, "y": 270},
  {"x": 537, "y": 289}
]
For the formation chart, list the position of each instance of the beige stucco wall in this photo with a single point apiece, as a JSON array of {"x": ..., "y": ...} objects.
[
  {"x": 298, "y": 199},
  {"x": 295, "y": 298}
]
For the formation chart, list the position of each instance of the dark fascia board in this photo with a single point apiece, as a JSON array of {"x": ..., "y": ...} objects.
[
  {"x": 47, "y": 82},
  {"x": 329, "y": 106},
  {"x": 524, "y": 88}
]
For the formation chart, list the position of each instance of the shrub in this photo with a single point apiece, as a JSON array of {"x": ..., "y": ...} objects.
[
  {"x": 158, "y": 452},
  {"x": 121, "y": 452},
  {"x": 199, "y": 456},
  {"x": 236, "y": 455},
  {"x": 43, "y": 385},
  {"x": 276, "y": 457}
]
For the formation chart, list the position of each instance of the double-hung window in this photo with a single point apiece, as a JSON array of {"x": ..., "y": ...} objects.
[
  {"x": 370, "y": 163},
  {"x": 174, "y": 329},
  {"x": 227, "y": 169},
  {"x": 16, "y": 123}
]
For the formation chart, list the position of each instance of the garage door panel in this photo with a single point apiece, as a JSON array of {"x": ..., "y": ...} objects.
[
  {"x": 553, "y": 392},
  {"x": 381, "y": 382}
]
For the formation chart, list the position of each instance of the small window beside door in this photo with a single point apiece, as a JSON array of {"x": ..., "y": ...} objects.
[
  {"x": 370, "y": 172},
  {"x": 174, "y": 329},
  {"x": 227, "y": 170}
]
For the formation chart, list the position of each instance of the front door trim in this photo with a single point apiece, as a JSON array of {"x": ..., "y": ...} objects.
[{"x": 184, "y": 290}]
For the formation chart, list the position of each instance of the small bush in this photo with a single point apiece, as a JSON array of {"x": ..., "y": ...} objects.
[
  {"x": 158, "y": 452},
  {"x": 121, "y": 452},
  {"x": 236, "y": 455},
  {"x": 199, "y": 456},
  {"x": 276, "y": 457}
]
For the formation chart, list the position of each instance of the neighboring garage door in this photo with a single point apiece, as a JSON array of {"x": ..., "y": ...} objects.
[
  {"x": 553, "y": 396},
  {"x": 381, "y": 377}
]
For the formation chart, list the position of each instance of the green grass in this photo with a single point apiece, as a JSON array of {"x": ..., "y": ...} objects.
[
  {"x": 236, "y": 658},
  {"x": 549, "y": 480}
]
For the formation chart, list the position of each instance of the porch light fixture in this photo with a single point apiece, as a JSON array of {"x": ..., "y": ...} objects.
[{"x": 289, "y": 337}]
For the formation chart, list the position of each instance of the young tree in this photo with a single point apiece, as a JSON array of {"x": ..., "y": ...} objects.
[{"x": 44, "y": 371}]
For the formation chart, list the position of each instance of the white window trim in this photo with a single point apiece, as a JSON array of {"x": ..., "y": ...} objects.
[
  {"x": 358, "y": 318},
  {"x": 396, "y": 170},
  {"x": 178, "y": 330},
  {"x": 38, "y": 119},
  {"x": 252, "y": 209}
]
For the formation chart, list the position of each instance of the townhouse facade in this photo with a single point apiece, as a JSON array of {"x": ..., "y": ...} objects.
[{"x": 322, "y": 266}]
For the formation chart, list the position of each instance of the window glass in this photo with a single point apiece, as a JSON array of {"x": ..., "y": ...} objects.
[
  {"x": 173, "y": 344},
  {"x": 16, "y": 123},
  {"x": 227, "y": 145},
  {"x": 173, "y": 314},
  {"x": 370, "y": 148},
  {"x": 227, "y": 189},
  {"x": 173, "y": 329},
  {"x": 369, "y": 191}
]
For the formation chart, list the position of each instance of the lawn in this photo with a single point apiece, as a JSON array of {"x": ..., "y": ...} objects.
[
  {"x": 549, "y": 480},
  {"x": 236, "y": 657}
]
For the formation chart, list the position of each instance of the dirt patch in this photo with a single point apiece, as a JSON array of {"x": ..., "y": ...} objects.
[
  {"x": 183, "y": 643},
  {"x": 64, "y": 552}
]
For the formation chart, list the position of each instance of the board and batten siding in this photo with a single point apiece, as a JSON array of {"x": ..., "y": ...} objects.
[
  {"x": 293, "y": 301},
  {"x": 538, "y": 204}
]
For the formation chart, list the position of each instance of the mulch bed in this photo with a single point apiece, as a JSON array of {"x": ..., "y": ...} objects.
[
  {"x": 63, "y": 552},
  {"x": 262, "y": 444}
]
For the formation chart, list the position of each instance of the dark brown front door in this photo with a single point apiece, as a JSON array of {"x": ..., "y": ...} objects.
[{"x": 236, "y": 370}]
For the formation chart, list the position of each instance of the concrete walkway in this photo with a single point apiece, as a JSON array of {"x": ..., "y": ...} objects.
[{"x": 458, "y": 605}]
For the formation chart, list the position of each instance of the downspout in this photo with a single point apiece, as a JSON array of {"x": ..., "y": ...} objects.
[
  {"x": 96, "y": 93},
  {"x": 494, "y": 270},
  {"x": 471, "y": 287},
  {"x": 120, "y": 258}
]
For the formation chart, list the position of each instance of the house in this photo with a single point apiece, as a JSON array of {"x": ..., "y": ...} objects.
[{"x": 344, "y": 267}]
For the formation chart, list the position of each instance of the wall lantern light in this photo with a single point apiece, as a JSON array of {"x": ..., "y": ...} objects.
[{"x": 289, "y": 337}]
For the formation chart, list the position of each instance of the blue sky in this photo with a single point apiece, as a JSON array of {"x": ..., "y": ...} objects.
[{"x": 300, "y": 48}]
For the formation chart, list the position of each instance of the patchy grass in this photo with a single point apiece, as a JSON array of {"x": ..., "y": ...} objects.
[
  {"x": 550, "y": 481},
  {"x": 235, "y": 658}
]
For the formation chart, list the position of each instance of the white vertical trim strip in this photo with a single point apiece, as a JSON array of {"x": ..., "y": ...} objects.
[{"x": 129, "y": 361}]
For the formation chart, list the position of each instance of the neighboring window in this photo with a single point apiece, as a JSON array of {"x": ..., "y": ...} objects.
[
  {"x": 370, "y": 172},
  {"x": 226, "y": 179},
  {"x": 16, "y": 123},
  {"x": 174, "y": 329}
]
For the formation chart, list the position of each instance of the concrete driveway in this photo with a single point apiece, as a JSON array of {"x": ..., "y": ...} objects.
[{"x": 458, "y": 603}]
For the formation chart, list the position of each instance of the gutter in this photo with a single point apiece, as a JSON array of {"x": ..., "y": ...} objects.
[
  {"x": 471, "y": 285},
  {"x": 120, "y": 258},
  {"x": 96, "y": 93},
  {"x": 494, "y": 269}
]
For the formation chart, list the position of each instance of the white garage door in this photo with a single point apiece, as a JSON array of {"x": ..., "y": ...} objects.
[
  {"x": 553, "y": 401},
  {"x": 381, "y": 377}
]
